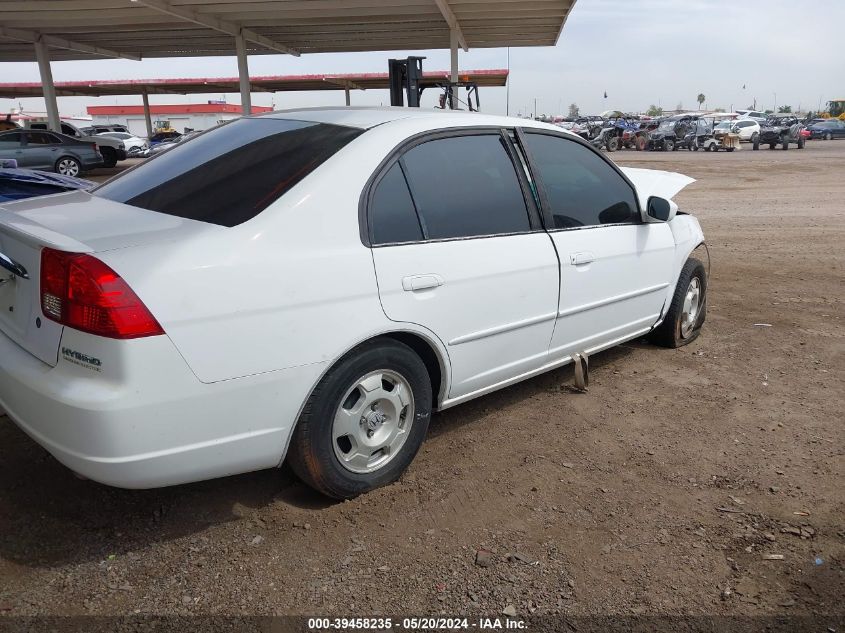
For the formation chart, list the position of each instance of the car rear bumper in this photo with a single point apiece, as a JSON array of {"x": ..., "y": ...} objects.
[{"x": 144, "y": 420}]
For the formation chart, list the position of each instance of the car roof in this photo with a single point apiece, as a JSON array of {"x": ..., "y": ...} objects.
[{"x": 370, "y": 117}]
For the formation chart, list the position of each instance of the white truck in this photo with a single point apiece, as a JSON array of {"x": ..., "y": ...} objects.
[{"x": 112, "y": 149}]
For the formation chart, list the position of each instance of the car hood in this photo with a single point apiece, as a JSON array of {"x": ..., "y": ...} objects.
[{"x": 653, "y": 182}]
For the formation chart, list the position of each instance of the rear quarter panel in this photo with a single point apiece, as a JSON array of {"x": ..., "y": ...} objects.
[{"x": 291, "y": 287}]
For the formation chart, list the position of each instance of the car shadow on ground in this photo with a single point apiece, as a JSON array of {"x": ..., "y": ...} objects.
[{"x": 49, "y": 517}]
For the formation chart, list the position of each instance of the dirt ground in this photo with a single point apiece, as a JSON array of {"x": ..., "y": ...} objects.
[{"x": 662, "y": 490}]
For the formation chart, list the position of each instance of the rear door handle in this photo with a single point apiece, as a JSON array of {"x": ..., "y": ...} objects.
[
  {"x": 579, "y": 259},
  {"x": 421, "y": 282}
]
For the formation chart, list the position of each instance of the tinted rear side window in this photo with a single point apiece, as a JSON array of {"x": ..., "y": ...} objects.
[
  {"x": 232, "y": 173},
  {"x": 466, "y": 186},
  {"x": 392, "y": 213}
]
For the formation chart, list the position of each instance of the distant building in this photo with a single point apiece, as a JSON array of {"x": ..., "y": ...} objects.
[{"x": 192, "y": 116}]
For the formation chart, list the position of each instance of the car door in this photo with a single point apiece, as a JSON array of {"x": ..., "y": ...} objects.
[
  {"x": 11, "y": 147},
  {"x": 42, "y": 149},
  {"x": 614, "y": 268},
  {"x": 459, "y": 249}
]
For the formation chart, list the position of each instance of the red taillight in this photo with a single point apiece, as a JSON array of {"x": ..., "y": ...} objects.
[{"x": 81, "y": 292}]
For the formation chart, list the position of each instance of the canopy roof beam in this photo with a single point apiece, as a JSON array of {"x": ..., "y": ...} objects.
[
  {"x": 34, "y": 37},
  {"x": 217, "y": 24},
  {"x": 452, "y": 21}
]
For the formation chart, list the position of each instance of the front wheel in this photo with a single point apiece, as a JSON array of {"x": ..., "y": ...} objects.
[
  {"x": 755, "y": 139},
  {"x": 801, "y": 142},
  {"x": 612, "y": 144},
  {"x": 68, "y": 166},
  {"x": 364, "y": 422},
  {"x": 688, "y": 309},
  {"x": 828, "y": 137},
  {"x": 669, "y": 145}
]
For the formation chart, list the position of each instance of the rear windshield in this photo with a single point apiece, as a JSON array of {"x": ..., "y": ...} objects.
[{"x": 232, "y": 173}]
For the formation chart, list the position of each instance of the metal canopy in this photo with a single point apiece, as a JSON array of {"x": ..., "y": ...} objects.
[
  {"x": 213, "y": 85},
  {"x": 136, "y": 29}
]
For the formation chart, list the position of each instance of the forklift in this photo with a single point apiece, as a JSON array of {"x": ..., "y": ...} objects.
[{"x": 406, "y": 79}]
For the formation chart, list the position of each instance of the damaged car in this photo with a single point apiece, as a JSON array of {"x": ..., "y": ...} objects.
[{"x": 310, "y": 285}]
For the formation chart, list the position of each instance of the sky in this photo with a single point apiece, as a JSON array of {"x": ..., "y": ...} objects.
[{"x": 639, "y": 52}]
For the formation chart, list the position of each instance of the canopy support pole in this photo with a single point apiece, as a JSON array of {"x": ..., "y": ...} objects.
[
  {"x": 42, "y": 54},
  {"x": 454, "y": 44},
  {"x": 147, "y": 118},
  {"x": 243, "y": 74},
  {"x": 348, "y": 98}
]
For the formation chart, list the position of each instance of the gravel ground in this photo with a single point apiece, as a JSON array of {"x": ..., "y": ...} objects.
[{"x": 668, "y": 488}]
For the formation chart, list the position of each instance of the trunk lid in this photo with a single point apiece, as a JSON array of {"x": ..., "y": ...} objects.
[{"x": 76, "y": 222}]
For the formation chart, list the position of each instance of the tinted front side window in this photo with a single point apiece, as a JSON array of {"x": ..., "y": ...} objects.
[
  {"x": 466, "y": 186},
  {"x": 583, "y": 190},
  {"x": 232, "y": 173},
  {"x": 392, "y": 214}
]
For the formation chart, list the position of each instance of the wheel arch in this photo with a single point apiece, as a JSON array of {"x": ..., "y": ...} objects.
[{"x": 426, "y": 345}]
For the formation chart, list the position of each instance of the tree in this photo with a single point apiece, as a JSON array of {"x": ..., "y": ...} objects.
[
  {"x": 573, "y": 111},
  {"x": 785, "y": 109},
  {"x": 654, "y": 110},
  {"x": 701, "y": 99}
]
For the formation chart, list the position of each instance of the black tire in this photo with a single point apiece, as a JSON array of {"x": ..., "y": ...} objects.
[
  {"x": 711, "y": 147},
  {"x": 729, "y": 149},
  {"x": 756, "y": 142},
  {"x": 785, "y": 144},
  {"x": 668, "y": 145},
  {"x": 828, "y": 137},
  {"x": 773, "y": 145},
  {"x": 801, "y": 142},
  {"x": 312, "y": 453},
  {"x": 612, "y": 144},
  {"x": 68, "y": 166},
  {"x": 669, "y": 332},
  {"x": 109, "y": 156}
]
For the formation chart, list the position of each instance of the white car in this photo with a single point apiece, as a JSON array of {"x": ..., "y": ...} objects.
[
  {"x": 760, "y": 117},
  {"x": 748, "y": 129},
  {"x": 313, "y": 283},
  {"x": 133, "y": 144}
]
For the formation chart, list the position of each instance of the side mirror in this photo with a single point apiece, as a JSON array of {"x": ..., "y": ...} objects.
[{"x": 661, "y": 209}]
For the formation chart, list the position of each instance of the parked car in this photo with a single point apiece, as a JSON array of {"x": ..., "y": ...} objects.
[
  {"x": 827, "y": 129},
  {"x": 161, "y": 137},
  {"x": 19, "y": 184},
  {"x": 103, "y": 128},
  {"x": 760, "y": 117},
  {"x": 314, "y": 283},
  {"x": 166, "y": 144},
  {"x": 780, "y": 131},
  {"x": 49, "y": 151},
  {"x": 133, "y": 144},
  {"x": 112, "y": 149},
  {"x": 748, "y": 129}
]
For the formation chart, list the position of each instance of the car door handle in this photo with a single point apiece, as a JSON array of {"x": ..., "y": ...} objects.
[
  {"x": 579, "y": 259},
  {"x": 421, "y": 282}
]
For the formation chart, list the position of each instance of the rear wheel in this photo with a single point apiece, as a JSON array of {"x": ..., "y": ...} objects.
[
  {"x": 828, "y": 137},
  {"x": 755, "y": 139},
  {"x": 785, "y": 144},
  {"x": 801, "y": 142},
  {"x": 68, "y": 166},
  {"x": 613, "y": 144},
  {"x": 688, "y": 309},
  {"x": 364, "y": 422},
  {"x": 669, "y": 145},
  {"x": 640, "y": 143}
]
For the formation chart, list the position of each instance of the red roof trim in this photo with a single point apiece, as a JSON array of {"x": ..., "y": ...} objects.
[{"x": 212, "y": 80}]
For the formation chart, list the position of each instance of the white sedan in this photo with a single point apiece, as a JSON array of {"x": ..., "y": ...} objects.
[
  {"x": 133, "y": 144},
  {"x": 312, "y": 284}
]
